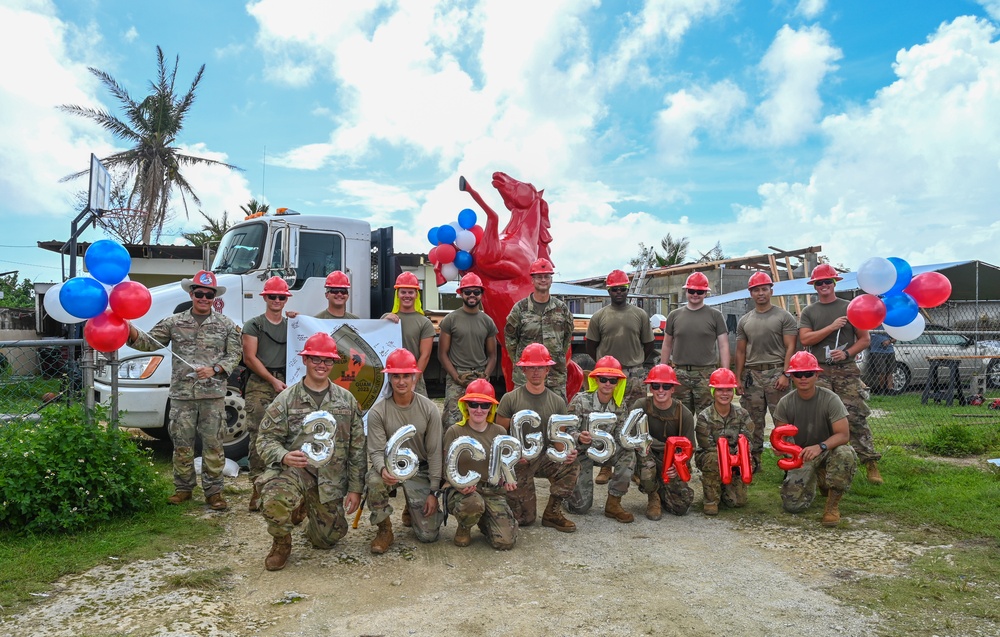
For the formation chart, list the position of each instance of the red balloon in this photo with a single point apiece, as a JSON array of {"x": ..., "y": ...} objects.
[
  {"x": 106, "y": 332},
  {"x": 446, "y": 253},
  {"x": 574, "y": 376},
  {"x": 780, "y": 445},
  {"x": 739, "y": 459},
  {"x": 130, "y": 300},
  {"x": 866, "y": 312},
  {"x": 432, "y": 256},
  {"x": 478, "y": 231},
  {"x": 676, "y": 454},
  {"x": 929, "y": 289}
]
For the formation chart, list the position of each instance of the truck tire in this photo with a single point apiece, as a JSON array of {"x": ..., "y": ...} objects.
[
  {"x": 585, "y": 362},
  {"x": 235, "y": 435}
]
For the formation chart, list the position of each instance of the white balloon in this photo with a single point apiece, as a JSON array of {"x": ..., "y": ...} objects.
[
  {"x": 460, "y": 445},
  {"x": 401, "y": 462},
  {"x": 449, "y": 271},
  {"x": 320, "y": 427},
  {"x": 557, "y": 435},
  {"x": 465, "y": 240},
  {"x": 55, "y": 309},
  {"x": 457, "y": 226},
  {"x": 907, "y": 332},
  {"x": 526, "y": 427},
  {"x": 877, "y": 275},
  {"x": 504, "y": 454},
  {"x": 601, "y": 425},
  {"x": 656, "y": 320},
  {"x": 635, "y": 432}
]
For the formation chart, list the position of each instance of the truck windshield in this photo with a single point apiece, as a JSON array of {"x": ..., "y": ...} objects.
[{"x": 240, "y": 250}]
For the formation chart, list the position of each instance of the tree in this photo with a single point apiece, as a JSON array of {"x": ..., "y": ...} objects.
[
  {"x": 210, "y": 232},
  {"x": 152, "y": 166},
  {"x": 119, "y": 221},
  {"x": 674, "y": 253},
  {"x": 16, "y": 294},
  {"x": 255, "y": 208},
  {"x": 715, "y": 254}
]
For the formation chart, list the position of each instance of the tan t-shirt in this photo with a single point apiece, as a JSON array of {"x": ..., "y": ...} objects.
[
  {"x": 763, "y": 333},
  {"x": 468, "y": 333},
  {"x": 386, "y": 418},
  {"x": 544, "y": 404},
  {"x": 813, "y": 417},
  {"x": 664, "y": 423},
  {"x": 271, "y": 340},
  {"x": 695, "y": 335},
  {"x": 621, "y": 331},
  {"x": 325, "y": 314},
  {"x": 819, "y": 315},
  {"x": 415, "y": 328}
]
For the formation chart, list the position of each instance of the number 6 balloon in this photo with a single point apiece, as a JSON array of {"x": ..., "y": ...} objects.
[
  {"x": 476, "y": 452},
  {"x": 401, "y": 463}
]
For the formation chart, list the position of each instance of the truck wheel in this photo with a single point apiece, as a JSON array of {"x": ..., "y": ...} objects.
[
  {"x": 235, "y": 435},
  {"x": 585, "y": 362}
]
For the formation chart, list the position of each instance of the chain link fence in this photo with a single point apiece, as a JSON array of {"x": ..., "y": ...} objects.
[{"x": 37, "y": 373}]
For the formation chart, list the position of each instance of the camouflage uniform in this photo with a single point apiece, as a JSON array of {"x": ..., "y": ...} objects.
[
  {"x": 453, "y": 391},
  {"x": 322, "y": 489},
  {"x": 622, "y": 462},
  {"x": 845, "y": 381},
  {"x": 759, "y": 395},
  {"x": 258, "y": 395},
  {"x": 709, "y": 428},
  {"x": 694, "y": 392},
  {"x": 415, "y": 491},
  {"x": 197, "y": 407},
  {"x": 676, "y": 496},
  {"x": 635, "y": 383},
  {"x": 799, "y": 487},
  {"x": 553, "y": 328},
  {"x": 487, "y": 507}
]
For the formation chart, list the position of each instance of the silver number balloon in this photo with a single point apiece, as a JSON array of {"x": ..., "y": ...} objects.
[
  {"x": 635, "y": 432},
  {"x": 319, "y": 427},
  {"x": 504, "y": 454},
  {"x": 460, "y": 445},
  {"x": 401, "y": 463},
  {"x": 531, "y": 443},
  {"x": 601, "y": 425},
  {"x": 557, "y": 423}
]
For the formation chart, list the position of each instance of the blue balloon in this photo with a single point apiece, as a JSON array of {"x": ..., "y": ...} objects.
[
  {"x": 463, "y": 260},
  {"x": 900, "y": 310},
  {"x": 83, "y": 297},
  {"x": 108, "y": 261},
  {"x": 467, "y": 218},
  {"x": 432, "y": 235},
  {"x": 904, "y": 274},
  {"x": 446, "y": 235}
]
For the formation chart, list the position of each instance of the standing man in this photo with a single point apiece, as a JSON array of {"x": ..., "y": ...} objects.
[
  {"x": 264, "y": 340},
  {"x": 338, "y": 290},
  {"x": 541, "y": 318},
  {"x": 294, "y": 486},
  {"x": 467, "y": 346},
  {"x": 765, "y": 342},
  {"x": 825, "y": 332},
  {"x": 417, "y": 329},
  {"x": 691, "y": 337},
  {"x": 882, "y": 362},
  {"x": 206, "y": 348}
]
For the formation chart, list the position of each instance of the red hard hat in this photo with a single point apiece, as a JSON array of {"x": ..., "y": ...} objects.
[
  {"x": 401, "y": 361},
  {"x": 803, "y": 362},
  {"x": 759, "y": 278},
  {"x": 407, "y": 280},
  {"x": 535, "y": 355},
  {"x": 616, "y": 278},
  {"x": 470, "y": 280},
  {"x": 824, "y": 271},
  {"x": 276, "y": 285},
  {"x": 696, "y": 281},
  {"x": 722, "y": 378},
  {"x": 662, "y": 374},
  {"x": 480, "y": 390},
  {"x": 607, "y": 366},
  {"x": 338, "y": 279},
  {"x": 542, "y": 266},
  {"x": 320, "y": 344}
]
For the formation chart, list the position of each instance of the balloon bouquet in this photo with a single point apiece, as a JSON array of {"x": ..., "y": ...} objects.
[
  {"x": 454, "y": 243},
  {"x": 107, "y": 298},
  {"x": 902, "y": 296}
]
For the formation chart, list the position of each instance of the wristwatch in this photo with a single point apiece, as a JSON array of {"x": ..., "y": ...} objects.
[
  {"x": 217, "y": 369},
  {"x": 822, "y": 446}
]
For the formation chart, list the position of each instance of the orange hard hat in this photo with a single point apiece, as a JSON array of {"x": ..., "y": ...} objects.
[
  {"x": 401, "y": 361},
  {"x": 480, "y": 390},
  {"x": 276, "y": 285},
  {"x": 320, "y": 344},
  {"x": 470, "y": 280},
  {"x": 722, "y": 378},
  {"x": 803, "y": 362},
  {"x": 662, "y": 374},
  {"x": 535, "y": 355},
  {"x": 407, "y": 280},
  {"x": 824, "y": 271},
  {"x": 337, "y": 279},
  {"x": 542, "y": 266},
  {"x": 607, "y": 366},
  {"x": 696, "y": 281},
  {"x": 759, "y": 278},
  {"x": 616, "y": 278}
]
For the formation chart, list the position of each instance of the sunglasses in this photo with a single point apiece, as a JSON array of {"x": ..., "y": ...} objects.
[
  {"x": 336, "y": 291},
  {"x": 472, "y": 405},
  {"x": 824, "y": 282},
  {"x": 319, "y": 360},
  {"x": 606, "y": 380},
  {"x": 204, "y": 295},
  {"x": 697, "y": 292},
  {"x": 275, "y": 297},
  {"x": 472, "y": 292},
  {"x": 659, "y": 386},
  {"x": 803, "y": 374},
  {"x": 618, "y": 288}
]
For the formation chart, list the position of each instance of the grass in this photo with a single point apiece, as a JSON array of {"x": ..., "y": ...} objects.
[{"x": 903, "y": 420}]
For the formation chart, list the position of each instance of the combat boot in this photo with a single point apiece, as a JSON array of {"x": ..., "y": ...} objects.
[
  {"x": 179, "y": 496},
  {"x": 613, "y": 509},
  {"x": 281, "y": 548},
  {"x": 604, "y": 475},
  {"x": 254, "y": 505},
  {"x": 654, "y": 510},
  {"x": 216, "y": 502},
  {"x": 821, "y": 481},
  {"x": 407, "y": 522},
  {"x": 383, "y": 539},
  {"x": 711, "y": 508},
  {"x": 554, "y": 518},
  {"x": 463, "y": 536},
  {"x": 874, "y": 476},
  {"x": 831, "y": 515},
  {"x": 299, "y": 514}
]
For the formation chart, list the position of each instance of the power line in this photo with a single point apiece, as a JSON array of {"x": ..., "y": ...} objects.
[{"x": 30, "y": 265}]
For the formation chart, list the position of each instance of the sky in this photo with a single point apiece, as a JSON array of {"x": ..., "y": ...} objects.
[{"x": 869, "y": 128}]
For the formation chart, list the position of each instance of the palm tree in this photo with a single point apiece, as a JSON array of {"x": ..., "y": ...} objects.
[
  {"x": 153, "y": 164},
  {"x": 255, "y": 208},
  {"x": 675, "y": 253},
  {"x": 210, "y": 232}
]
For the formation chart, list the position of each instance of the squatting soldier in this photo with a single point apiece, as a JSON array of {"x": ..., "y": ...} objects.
[
  {"x": 483, "y": 504},
  {"x": 292, "y": 486},
  {"x": 541, "y": 318},
  {"x": 467, "y": 346},
  {"x": 825, "y": 332},
  {"x": 828, "y": 461},
  {"x": 721, "y": 419},
  {"x": 765, "y": 342},
  {"x": 605, "y": 394},
  {"x": 666, "y": 418},
  {"x": 417, "y": 329},
  {"x": 338, "y": 290},
  {"x": 206, "y": 348}
]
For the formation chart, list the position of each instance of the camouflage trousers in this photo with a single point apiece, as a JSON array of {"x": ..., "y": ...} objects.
[
  {"x": 258, "y": 395},
  {"x": 523, "y": 502},
  {"x": 799, "y": 486},
  {"x": 453, "y": 391},
  {"x": 845, "y": 381},
  {"x": 760, "y": 396},
  {"x": 415, "y": 490},
  {"x": 693, "y": 391},
  {"x": 676, "y": 496},
  {"x": 732, "y": 495},
  {"x": 191, "y": 419},
  {"x": 582, "y": 498},
  {"x": 421, "y": 387},
  {"x": 283, "y": 493},
  {"x": 635, "y": 383},
  {"x": 490, "y": 512}
]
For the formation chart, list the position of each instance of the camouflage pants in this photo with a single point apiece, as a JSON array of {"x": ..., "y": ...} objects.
[
  {"x": 258, "y": 395},
  {"x": 845, "y": 381},
  {"x": 799, "y": 487},
  {"x": 732, "y": 495},
  {"x": 453, "y": 391},
  {"x": 523, "y": 502},
  {"x": 759, "y": 397},
  {"x": 556, "y": 381},
  {"x": 421, "y": 387},
  {"x": 693, "y": 391},
  {"x": 190, "y": 419},
  {"x": 582, "y": 498},
  {"x": 635, "y": 384},
  {"x": 488, "y": 510},
  {"x": 415, "y": 490},
  {"x": 283, "y": 493},
  {"x": 675, "y": 496}
]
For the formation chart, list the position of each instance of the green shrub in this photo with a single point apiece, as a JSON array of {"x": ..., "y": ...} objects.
[
  {"x": 63, "y": 474},
  {"x": 954, "y": 440}
]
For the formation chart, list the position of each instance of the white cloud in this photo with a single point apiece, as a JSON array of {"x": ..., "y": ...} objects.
[
  {"x": 131, "y": 35},
  {"x": 691, "y": 110},
  {"x": 809, "y": 9},
  {"x": 992, "y": 8}
]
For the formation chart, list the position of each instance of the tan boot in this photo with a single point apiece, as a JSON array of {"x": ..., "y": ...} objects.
[
  {"x": 654, "y": 510},
  {"x": 613, "y": 509},
  {"x": 383, "y": 539},
  {"x": 179, "y": 496},
  {"x": 711, "y": 508},
  {"x": 554, "y": 518},
  {"x": 299, "y": 514},
  {"x": 603, "y": 476},
  {"x": 254, "y": 505},
  {"x": 281, "y": 548},
  {"x": 407, "y": 522},
  {"x": 831, "y": 514},
  {"x": 821, "y": 482},
  {"x": 874, "y": 476},
  {"x": 463, "y": 536},
  {"x": 216, "y": 502}
]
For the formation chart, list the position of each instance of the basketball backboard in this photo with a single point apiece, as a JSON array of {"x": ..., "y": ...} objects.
[{"x": 100, "y": 185}]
